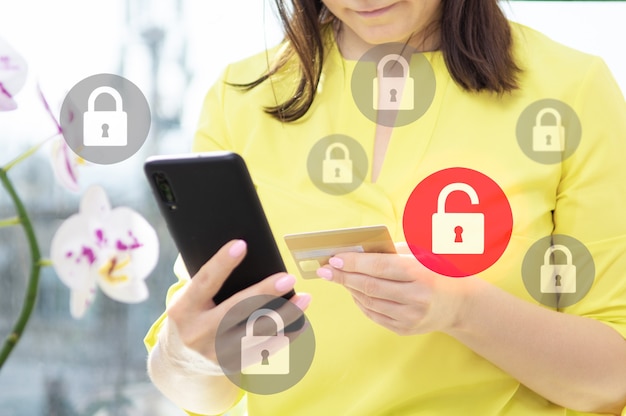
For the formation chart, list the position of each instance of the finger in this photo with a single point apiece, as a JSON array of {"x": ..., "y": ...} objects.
[
  {"x": 384, "y": 266},
  {"x": 254, "y": 302},
  {"x": 373, "y": 287},
  {"x": 402, "y": 248},
  {"x": 378, "y": 318},
  {"x": 301, "y": 300},
  {"x": 266, "y": 326},
  {"x": 385, "y": 307},
  {"x": 209, "y": 279},
  {"x": 275, "y": 285}
]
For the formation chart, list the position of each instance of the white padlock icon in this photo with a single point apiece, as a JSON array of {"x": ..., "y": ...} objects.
[
  {"x": 337, "y": 170},
  {"x": 558, "y": 278},
  {"x": 457, "y": 232},
  {"x": 551, "y": 137},
  {"x": 105, "y": 128},
  {"x": 396, "y": 92},
  {"x": 268, "y": 353}
]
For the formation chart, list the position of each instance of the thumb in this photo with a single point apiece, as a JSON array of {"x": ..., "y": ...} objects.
[{"x": 403, "y": 248}]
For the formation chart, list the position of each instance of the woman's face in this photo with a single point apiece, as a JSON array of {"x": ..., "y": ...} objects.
[{"x": 381, "y": 21}]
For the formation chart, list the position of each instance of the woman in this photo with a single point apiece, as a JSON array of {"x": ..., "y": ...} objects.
[{"x": 394, "y": 337}]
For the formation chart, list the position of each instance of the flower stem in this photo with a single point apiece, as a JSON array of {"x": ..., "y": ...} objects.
[
  {"x": 8, "y": 222},
  {"x": 27, "y": 153},
  {"x": 35, "y": 267},
  {"x": 45, "y": 262}
]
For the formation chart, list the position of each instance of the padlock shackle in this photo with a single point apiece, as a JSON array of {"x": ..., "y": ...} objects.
[
  {"x": 559, "y": 247},
  {"x": 346, "y": 151},
  {"x": 456, "y": 186},
  {"x": 393, "y": 57},
  {"x": 272, "y": 314},
  {"x": 548, "y": 110},
  {"x": 91, "y": 101}
]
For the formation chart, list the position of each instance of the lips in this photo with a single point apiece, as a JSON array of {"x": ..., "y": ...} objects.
[{"x": 374, "y": 12}]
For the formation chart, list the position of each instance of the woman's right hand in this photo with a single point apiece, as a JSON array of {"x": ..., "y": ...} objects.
[{"x": 195, "y": 315}]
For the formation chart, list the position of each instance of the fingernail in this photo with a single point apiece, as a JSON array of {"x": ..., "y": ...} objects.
[
  {"x": 285, "y": 283},
  {"x": 237, "y": 248},
  {"x": 336, "y": 262},
  {"x": 325, "y": 273},
  {"x": 303, "y": 301}
]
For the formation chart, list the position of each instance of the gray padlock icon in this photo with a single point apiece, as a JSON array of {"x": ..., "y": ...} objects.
[
  {"x": 457, "y": 232},
  {"x": 268, "y": 353},
  {"x": 550, "y": 137},
  {"x": 105, "y": 128},
  {"x": 558, "y": 278},
  {"x": 337, "y": 170},
  {"x": 396, "y": 92}
]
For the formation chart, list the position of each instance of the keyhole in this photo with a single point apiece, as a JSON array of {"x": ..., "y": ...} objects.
[
  {"x": 392, "y": 95},
  {"x": 548, "y": 139},
  {"x": 105, "y": 130},
  {"x": 557, "y": 279},
  {"x": 337, "y": 174},
  {"x": 265, "y": 354},
  {"x": 458, "y": 230}
]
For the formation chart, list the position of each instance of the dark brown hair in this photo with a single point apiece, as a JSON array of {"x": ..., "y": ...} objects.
[{"x": 475, "y": 39}]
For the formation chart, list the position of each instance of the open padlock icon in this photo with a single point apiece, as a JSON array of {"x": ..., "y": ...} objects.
[
  {"x": 105, "y": 128},
  {"x": 396, "y": 90},
  {"x": 337, "y": 170},
  {"x": 457, "y": 232},
  {"x": 558, "y": 278},
  {"x": 268, "y": 353},
  {"x": 548, "y": 137}
]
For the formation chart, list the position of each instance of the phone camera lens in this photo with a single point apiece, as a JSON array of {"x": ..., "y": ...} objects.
[{"x": 165, "y": 190}]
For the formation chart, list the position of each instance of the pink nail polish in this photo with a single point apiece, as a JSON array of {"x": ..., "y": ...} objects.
[
  {"x": 336, "y": 262},
  {"x": 237, "y": 248},
  {"x": 324, "y": 273},
  {"x": 285, "y": 283},
  {"x": 303, "y": 300}
]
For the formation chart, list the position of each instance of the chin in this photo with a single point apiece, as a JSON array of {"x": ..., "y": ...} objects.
[{"x": 378, "y": 37}]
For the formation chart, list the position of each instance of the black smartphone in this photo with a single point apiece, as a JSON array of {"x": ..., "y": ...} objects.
[{"x": 208, "y": 199}]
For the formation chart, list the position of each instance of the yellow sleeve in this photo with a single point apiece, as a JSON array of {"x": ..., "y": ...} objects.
[
  {"x": 153, "y": 333},
  {"x": 591, "y": 199},
  {"x": 212, "y": 132}
]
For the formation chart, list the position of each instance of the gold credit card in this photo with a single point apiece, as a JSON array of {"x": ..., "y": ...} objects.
[{"x": 312, "y": 250}]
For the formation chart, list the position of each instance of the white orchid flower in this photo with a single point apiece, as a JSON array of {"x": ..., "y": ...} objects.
[
  {"x": 13, "y": 70},
  {"x": 114, "y": 249}
]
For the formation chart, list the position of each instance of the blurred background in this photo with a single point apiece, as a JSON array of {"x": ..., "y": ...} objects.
[{"x": 173, "y": 50}]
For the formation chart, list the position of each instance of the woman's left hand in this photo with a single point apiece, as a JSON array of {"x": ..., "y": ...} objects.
[
  {"x": 398, "y": 292},
  {"x": 521, "y": 338}
]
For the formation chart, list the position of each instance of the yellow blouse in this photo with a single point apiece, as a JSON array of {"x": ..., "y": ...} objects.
[{"x": 359, "y": 367}]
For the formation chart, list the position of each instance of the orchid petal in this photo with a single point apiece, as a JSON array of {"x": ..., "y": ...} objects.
[
  {"x": 13, "y": 71},
  {"x": 64, "y": 165},
  {"x": 80, "y": 301},
  {"x": 136, "y": 252},
  {"x": 73, "y": 253},
  {"x": 134, "y": 291},
  {"x": 7, "y": 103},
  {"x": 44, "y": 101},
  {"x": 95, "y": 203},
  {"x": 131, "y": 235}
]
